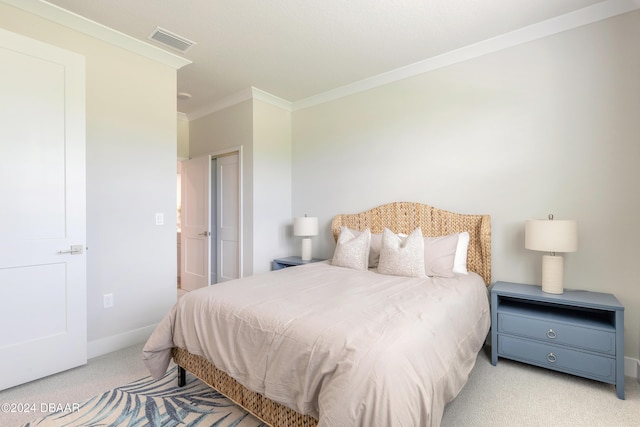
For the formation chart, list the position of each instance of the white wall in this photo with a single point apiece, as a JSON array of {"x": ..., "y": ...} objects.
[
  {"x": 131, "y": 175},
  {"x": 550, "y": 126}
]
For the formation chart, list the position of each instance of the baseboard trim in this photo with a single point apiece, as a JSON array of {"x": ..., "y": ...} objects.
[
  {"x": 632, "y": 368},
  {"x": 117, "y": 342}
]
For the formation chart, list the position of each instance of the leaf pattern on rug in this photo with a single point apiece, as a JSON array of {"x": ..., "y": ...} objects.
[{"x": 147, "y": 402}]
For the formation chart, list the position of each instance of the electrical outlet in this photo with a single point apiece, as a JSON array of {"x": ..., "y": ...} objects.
[{"x": 107, "y": 300}]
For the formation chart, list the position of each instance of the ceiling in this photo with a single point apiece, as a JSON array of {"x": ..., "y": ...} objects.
[{"x": 297, "y": 49}]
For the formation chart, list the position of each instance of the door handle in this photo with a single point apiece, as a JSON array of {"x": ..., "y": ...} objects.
[
  {"x": 74, "y": 250},
  {"x": 205, "y": 234}
]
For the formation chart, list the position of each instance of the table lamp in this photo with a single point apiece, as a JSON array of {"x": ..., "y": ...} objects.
[
  {"x": 551, "y": 235},
  {"x": 306, "y": 227}
]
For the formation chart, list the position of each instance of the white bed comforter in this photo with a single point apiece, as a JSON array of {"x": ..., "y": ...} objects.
[{"x": 351, "y": 348}]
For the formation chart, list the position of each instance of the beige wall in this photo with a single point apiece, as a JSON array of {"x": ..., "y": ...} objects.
[
  {"x": 228, "y": 128},
  {"x": 225, "y": 130},
  {"x": 550, "y": 126},
  {"x": 183, "y": 138},
  {"x": 131, "y": 175},
  {"x": 271, "y": 184}
]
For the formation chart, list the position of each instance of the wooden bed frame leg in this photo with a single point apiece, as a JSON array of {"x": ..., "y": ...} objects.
[{"x": 182, "y": 376}]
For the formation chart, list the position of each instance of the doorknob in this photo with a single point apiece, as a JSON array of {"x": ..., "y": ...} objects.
[
  {"x": 74, "y": 250},
  {"x": 205, "y": 234}
]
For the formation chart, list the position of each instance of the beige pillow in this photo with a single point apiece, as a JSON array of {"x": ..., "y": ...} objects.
[
  {"x": 439, "y": 255},
  {"x": 352, "y": 251},
  {"x": 402, "y": 257}
]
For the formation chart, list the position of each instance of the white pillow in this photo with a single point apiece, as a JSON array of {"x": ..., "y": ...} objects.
[
  {"x": 352, "y": 251},
  {"x": 460, "y": 260},
  {"x": 402, "y": 257},
  {"x": 439, "y": 255}
]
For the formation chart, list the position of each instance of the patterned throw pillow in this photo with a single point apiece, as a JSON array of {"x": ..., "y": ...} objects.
[
  {"x": 352, "y": 251},
  {"x": 374, "y": 247},
  {"x": 402, "y": 257}
]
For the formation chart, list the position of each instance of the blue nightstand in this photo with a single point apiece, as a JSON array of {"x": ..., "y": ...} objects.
[
  {"x": 290, "y": 261},
  {"x": 577, "y": 332}
]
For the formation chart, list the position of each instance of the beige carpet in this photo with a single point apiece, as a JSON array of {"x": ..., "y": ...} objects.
[
  {"x": 509, "y": 394},
  {"x": 515, "y": 394},
  {"x": 75, "y": 385}
]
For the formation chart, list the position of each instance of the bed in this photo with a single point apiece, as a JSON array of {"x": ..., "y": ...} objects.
[{"x": 334, "y": 345}]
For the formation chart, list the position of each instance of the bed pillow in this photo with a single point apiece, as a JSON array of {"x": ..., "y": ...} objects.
[
  {"x": 402, "y": 257},
  {"x": 439, "y": 255},
  {"x": 352, "y": 251},
  {"x": 460, "y": 260},
  {"x": 374, "y": 247}
]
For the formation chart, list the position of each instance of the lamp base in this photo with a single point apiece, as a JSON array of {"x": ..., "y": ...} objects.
[
  {"x": 552, "y": 272},
  {"x": 306, "y": 249}
]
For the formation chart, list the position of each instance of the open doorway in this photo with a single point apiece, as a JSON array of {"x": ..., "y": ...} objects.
[{"x": 210, "y": 219}]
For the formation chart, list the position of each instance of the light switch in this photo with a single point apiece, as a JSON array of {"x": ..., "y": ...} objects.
[
  {"x": 107, "y": 300},
  {"x": 160, "y": 218}
]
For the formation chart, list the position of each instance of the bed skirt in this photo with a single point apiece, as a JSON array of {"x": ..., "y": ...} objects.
[{"x": 268, "y": 411}]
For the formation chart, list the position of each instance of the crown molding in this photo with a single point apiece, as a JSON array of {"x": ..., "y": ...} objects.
[
  {"x": 270, "y": 99},
  {"x": 237, "y": 98},
  {"x": 81, "y": 24},
  {"x": 578, "y": 18},
  {"x": 226, "y": 102},
  {"x": 591, "y": 14}
]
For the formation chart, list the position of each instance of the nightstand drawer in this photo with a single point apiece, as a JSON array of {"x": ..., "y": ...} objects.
[
  {"x": 575, "y": 335},
  {"x": 601, "y": 368}
]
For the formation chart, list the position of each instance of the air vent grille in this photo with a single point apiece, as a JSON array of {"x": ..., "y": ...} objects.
[{"x": 171, "y": 40}]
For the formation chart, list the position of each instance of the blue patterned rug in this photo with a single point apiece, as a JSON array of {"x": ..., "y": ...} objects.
[{"x": 154, "y": 403}]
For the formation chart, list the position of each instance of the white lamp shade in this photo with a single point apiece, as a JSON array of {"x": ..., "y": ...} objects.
[
  {"x": 305, "y": 226},
  {"x": 551, "y": 235}
]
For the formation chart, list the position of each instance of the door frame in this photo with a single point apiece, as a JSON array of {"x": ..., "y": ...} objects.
[
  {"x": 221, "y": 153},
  {"x": 218, "y": 156}
]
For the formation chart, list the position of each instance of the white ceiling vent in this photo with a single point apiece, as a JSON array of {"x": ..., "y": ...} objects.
[{"x": 171, "y": 40}]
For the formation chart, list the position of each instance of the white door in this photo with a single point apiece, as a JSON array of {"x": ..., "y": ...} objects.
[
  {"x": 42, "y": 210},
  {"x": 195, "y": 231},
  {"x": 197, "y": 228},
  {"x": 228, "y": 217}
]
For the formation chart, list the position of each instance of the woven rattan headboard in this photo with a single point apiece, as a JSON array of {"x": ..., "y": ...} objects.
[{"x": 404, "y": 217}]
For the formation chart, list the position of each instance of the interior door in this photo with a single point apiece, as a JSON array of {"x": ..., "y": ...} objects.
[
  {"x": 228, "y": 217},
  {"x": 42, "y": 210},
  {"x": 195, "y": 231}
]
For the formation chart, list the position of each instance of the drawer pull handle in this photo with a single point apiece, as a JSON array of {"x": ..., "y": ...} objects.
[
  {"x": 551, "y": 334},
  {"x": 551, "y": 358}
]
